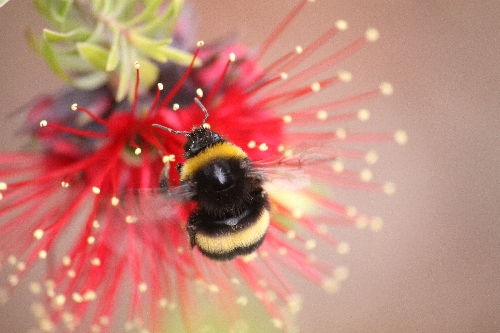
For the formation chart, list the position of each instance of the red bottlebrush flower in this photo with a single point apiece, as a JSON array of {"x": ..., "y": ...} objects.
[{"x": 117, "y": 251}]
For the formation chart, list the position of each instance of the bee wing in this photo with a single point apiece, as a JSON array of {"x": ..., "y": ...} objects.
[
  {"x": 158, "y": 204},
  {"x": 292, "y": 168}
]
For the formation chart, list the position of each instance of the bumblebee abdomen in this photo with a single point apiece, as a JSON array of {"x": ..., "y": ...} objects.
[{"x": 232, "y": 235}]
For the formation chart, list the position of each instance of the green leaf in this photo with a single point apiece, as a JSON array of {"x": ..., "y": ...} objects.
[
  {"x": 113, "y": 57},
  {"x": 43, "y": 8},
  {"x": 73, "y": 61},
  {"x": 94, "y": 54},
  {"x": 47, "y": 52},
  {"x": 3, "y": 2},
  {"x": 90, "y": 81},
  {"x": 147, "y": 14},
  {"x": 64, "y": 8},
  {"x": 77, "y": 35},
  {"x": 125, "y": 68},
  {"x": 150, "y": 47},
  {"x": 179, "y": 56}
]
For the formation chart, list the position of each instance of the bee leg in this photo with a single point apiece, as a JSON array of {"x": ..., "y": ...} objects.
[
  {"x": 164, "y": 184},
  {"x": 191, "y": 233}
]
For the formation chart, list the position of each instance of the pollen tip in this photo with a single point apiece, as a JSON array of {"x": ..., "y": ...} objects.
[
  {"x": 351, "y": 211},
  {"x": 287, "y": 119},
  {"x": 366, "y": 175},
  {"x": 341, "y": 133},
  {"x": 322, "y": 115},
  {"x": 137, "y": 65},
  {"x": 42, "y": 254},
  {"x": 74, "y": 106},
  {"x": 115, "y": 201},
  {"x": 341, "y": 273},
  {"x": 232, "y": 57},
  {"x": 341, "y": 25},
  {"x": 376, "y": 224},
  {"x": 3, "y": 186},
  {"x": 96, "y": 190},
  {"x": 95, "y": 261},
  {"x": 160, "y": 86},
  {"x": 389, "y": 188},
  {"x": 386, "y": 89},
  {"x": 199, "y": 92},
  {"x": 310, "y": 244},
  {"x": 364, "y": 115},
  {"x": 43, "y": 123},
  {"x": 294, "y": 303},
  {"x": 206, "y": 125},
  {"x": 345, "y": 76},
  {"x": 284, "y": 75},
  {"x": 263, "y": 147},
  {"x": 316, "y": 86},
  {"x": 338, "y": 166},
  {"x": 200, "y": 43},
  {"x": 142, "y": 287},
  {"x": 242, "y": 300},
  {"x": 371, "y": 157},
  {"x": 372, "y": 35},
  {"x": 130, "y": 219},
  {"x": 162, "y": 303},
  {"x": 38, "y": 233},
  {"x": 137, "y": 151},
  {"x": 251, "y": 144},
  {"x": 175, "y": 107},
  {"x": 66, "y": 261},
  {"x": 64, "y": 184},
  {"x": 343, "y": 248},
  {"x": 276, "y": 321},
  {"x": 401, "y": 137},
  {"x": 298, "y": 49}
]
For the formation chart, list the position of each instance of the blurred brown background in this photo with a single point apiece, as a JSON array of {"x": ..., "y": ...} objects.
[{"x": 435, "y": 267}]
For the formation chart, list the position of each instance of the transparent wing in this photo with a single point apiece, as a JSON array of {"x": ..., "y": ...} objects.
[{"x": 293, "y": 167}]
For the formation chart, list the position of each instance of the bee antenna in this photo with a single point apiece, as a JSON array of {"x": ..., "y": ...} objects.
[{"x": 203, "y": 108}]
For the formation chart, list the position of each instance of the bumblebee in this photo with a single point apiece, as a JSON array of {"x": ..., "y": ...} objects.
[{"x": 231, "y": 215}]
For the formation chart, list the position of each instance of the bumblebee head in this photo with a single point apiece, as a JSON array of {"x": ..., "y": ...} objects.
[{"x": 199, "y": 139}]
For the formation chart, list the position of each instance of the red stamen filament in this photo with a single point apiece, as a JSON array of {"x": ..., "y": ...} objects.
[
  {"x": 216, "y": 86},
  {"x": 181, "y": 81},
  {"x": 279, "y": 30}
]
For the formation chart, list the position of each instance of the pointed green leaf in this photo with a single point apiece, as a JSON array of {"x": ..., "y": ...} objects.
[
  {"x": 147, "y": 14},
  {"x": 150, "y": 47},
  {"x": 77, "y": 35},
  {"x": 113, "y": 57},
  {"x": 125, "y": 68},
  {"x": 64, "y": 8},
  {"x": 94, "y": 54},
  {"x": 43, "y": 8},
  {"x": 152, "y": 27},
  {"x": 47, "y": 52}
]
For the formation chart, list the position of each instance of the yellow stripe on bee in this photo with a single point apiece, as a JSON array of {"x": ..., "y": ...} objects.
[
  {"x": 240, "y": 239},
  {"x": 221, "y": 150}
]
